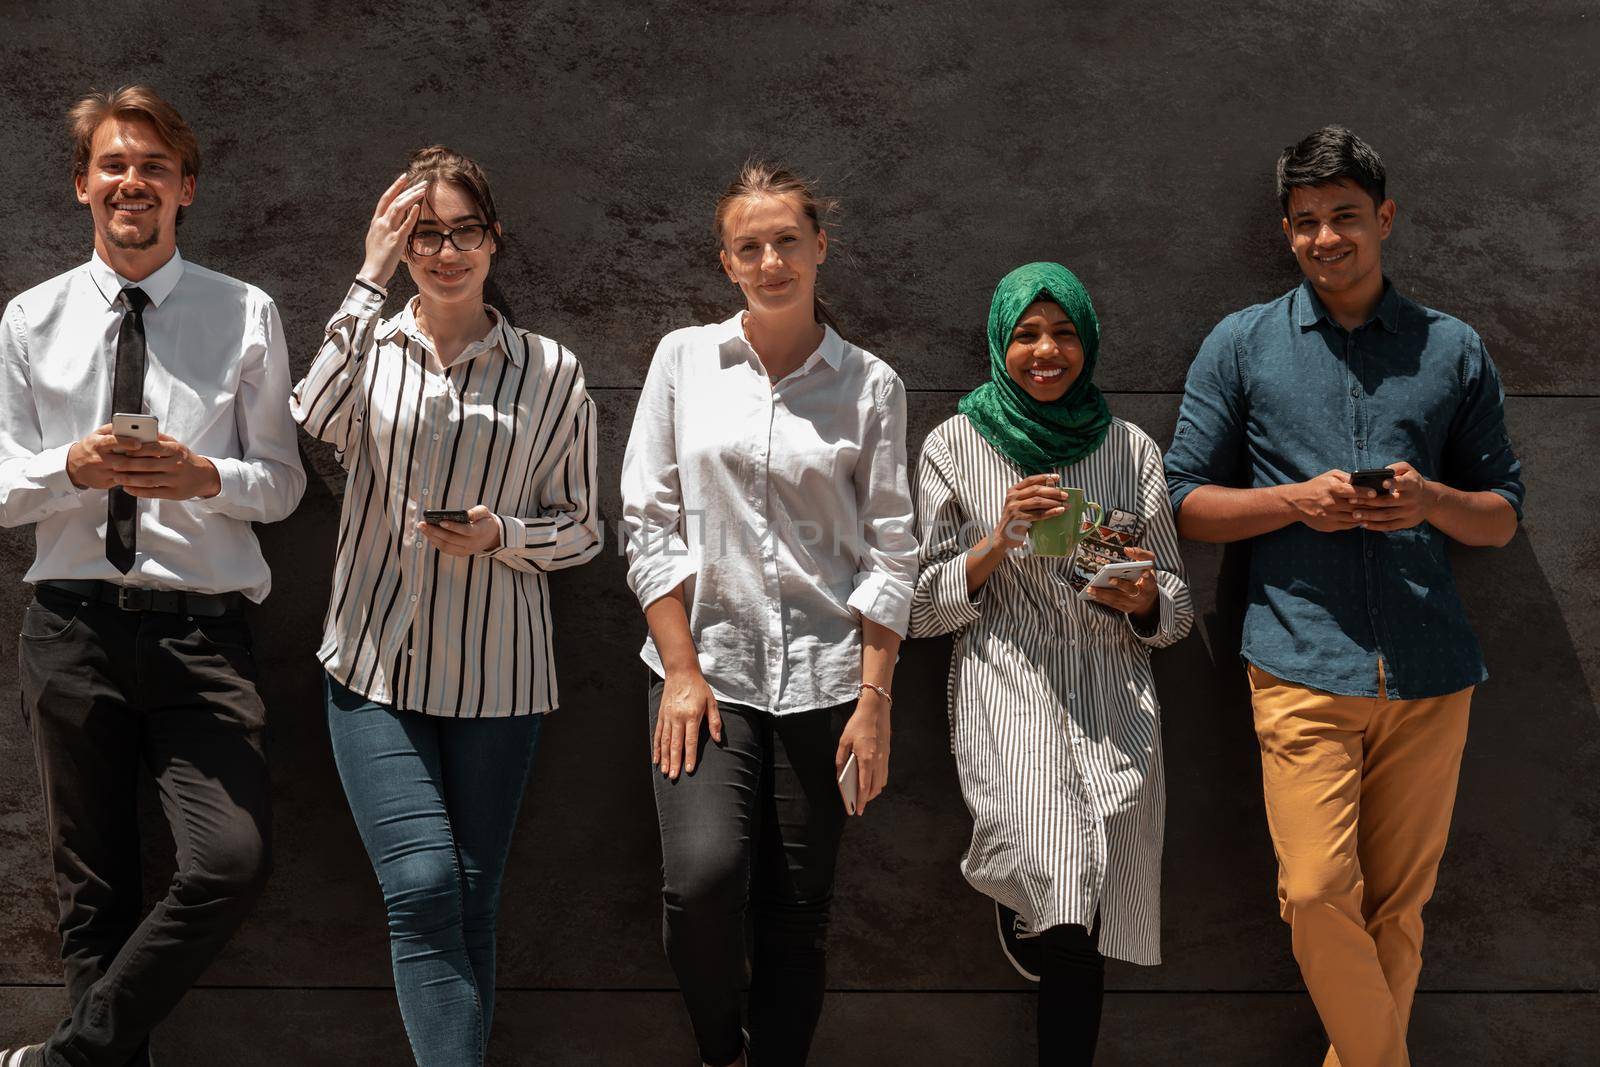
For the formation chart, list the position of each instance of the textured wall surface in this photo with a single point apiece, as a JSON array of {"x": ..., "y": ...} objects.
[{"x": 1134, "y": 143}]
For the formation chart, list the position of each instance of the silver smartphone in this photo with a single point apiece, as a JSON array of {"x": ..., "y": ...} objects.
[
  {"x": 850, "y": 784},
  {"x": 142, "y": 428}
]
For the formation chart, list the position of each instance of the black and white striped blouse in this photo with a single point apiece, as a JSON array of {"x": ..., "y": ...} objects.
[
  {"x": 1053, "y": 713},
  {"x": 508, "y": 425}
]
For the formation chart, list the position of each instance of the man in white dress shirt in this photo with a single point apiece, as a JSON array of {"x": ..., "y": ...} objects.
[{"x": 134, "y": 651}]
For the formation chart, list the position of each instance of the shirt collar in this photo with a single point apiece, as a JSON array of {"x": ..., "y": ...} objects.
[
  {"x": 157, "y": 286},
  {"x": 831, "y": 350},
  {"x": 501, "y": 333},
  {"x": 1309, "y": 308}
]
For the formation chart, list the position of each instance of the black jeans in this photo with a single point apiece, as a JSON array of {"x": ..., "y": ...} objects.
[
  {"x": 106, "y": 692},
  {"x": 754, "y": 829},
  {"x": 1072, "y": 979}
]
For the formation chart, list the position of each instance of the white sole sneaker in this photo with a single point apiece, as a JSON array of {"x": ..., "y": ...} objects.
[
  {"x": 14, "y": 1057},
  {"x": 1006, "y": 937}
]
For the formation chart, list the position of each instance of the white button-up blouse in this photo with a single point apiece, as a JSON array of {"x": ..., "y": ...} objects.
[{"x": 784, "y": 507}]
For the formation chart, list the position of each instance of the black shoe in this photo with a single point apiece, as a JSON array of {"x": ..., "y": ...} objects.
[{"x": 1020, "y": 946}]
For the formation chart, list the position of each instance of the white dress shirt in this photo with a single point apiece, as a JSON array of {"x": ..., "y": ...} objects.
[
  {"x": 784, "y": 506},
  {"x": 217, "y": 378},
  {"x": 508, "y": 425}
]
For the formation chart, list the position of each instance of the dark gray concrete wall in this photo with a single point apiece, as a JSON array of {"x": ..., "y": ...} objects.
[{"x": 1134, "y": 143}]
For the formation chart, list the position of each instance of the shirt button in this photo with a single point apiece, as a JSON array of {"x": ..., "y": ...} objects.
[
  {"x": 411, "y": 652},
  {"x": 1374, "y": 610},
  {"x": 1361, "y": 444},
  {"x": 1355, "y": 392},
  {"x": 414, "y": 597},
  {"x": 435, "y": 437},
  {"x": 1072, "y": 696},
  {"x": 1370, "y": 553}
]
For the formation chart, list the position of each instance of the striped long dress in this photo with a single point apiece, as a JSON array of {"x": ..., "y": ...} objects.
[{"x": 1053, "y": 714}]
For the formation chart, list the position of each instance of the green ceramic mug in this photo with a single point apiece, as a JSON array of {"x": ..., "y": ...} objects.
[{"x": 1059, "y": 535}]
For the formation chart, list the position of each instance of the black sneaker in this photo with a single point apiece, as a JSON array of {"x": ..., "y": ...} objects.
[{"x": 1020, "y": 946}]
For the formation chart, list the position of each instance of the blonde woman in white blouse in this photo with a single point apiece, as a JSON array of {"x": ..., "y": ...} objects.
[
  {"x": 437, "y": 641},
  {"x": 769, "y": 540}
]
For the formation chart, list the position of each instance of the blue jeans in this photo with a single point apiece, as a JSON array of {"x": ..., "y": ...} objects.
[{"x": 435, "y": 800}]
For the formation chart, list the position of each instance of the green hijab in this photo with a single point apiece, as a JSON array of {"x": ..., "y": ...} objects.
[{"x": 1039, "y": 437}]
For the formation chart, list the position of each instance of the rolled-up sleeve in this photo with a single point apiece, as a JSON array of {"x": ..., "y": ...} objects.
[
  {"x": 659, "y": 558},
  {"x": 1208, "y": 444},
  {"x": 886, "y": 565},
  {"x": 1478, "y": 455},
  {"x": 941, "y": 604}
]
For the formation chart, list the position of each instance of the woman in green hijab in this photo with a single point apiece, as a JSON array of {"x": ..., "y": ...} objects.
[{"x": 1054, "y": 720}]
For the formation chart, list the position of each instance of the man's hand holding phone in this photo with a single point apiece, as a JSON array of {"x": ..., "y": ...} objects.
[
  {"x": 1326, "y": 503},
  {"x": 1408, "y": 500},
  {"x": 163, "y": 469},
  {"x": 480, "y": 533}
]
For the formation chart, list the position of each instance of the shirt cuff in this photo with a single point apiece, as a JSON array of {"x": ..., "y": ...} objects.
[
  {"x": 653, "y": 576},
  {"x": 230, "y": 480},
  {"x": 1159, "y": 630},
  {"x": 955, "y": 607},
  {"x": 364, "y": 299},
  {"x": 883, "y": 599},
  {"x": 513, "y": 532},
  {"x": 1510, "y": 498},
  {"x": 48, "y": 470}
]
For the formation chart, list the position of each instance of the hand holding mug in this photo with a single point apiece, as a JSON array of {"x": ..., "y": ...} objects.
[{"x": 1030, "y": 500}]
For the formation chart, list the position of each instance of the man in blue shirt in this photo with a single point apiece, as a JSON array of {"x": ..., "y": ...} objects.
[{"x": 1360, "y": 658}]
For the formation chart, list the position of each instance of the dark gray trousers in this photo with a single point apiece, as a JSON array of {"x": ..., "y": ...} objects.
[
  {"x": 753, "y": 833},
  {"x": 107, "y": 695}
]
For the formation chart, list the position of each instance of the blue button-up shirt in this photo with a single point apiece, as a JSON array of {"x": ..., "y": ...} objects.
[{"x": 1281, "y": 393}]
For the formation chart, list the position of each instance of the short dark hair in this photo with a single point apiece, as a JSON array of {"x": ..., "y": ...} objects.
[{"x": 1327, "y": 156}]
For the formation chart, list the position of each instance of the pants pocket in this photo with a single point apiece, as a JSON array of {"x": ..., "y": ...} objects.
[{"x": 43, "y": 623}]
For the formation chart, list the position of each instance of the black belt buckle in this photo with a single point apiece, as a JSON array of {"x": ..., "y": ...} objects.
[{"x": 133, "y": 598}]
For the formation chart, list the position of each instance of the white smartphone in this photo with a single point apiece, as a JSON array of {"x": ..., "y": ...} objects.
[
  {"x": 850, "y": 784},
  {"x": 142, "y": 428},
  {"x": 1102, "y": 577}
]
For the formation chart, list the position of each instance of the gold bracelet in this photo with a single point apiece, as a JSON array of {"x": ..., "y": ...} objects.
[{"x": 880, "y": 690}]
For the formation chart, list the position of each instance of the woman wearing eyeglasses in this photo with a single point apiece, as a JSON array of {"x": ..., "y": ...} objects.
[{"x": 437, "y": 638}]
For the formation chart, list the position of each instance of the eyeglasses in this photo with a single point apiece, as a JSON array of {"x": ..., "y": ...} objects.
[{"x": 429, "y": 242}]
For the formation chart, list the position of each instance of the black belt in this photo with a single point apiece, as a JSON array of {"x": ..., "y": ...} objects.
[{"x": 131, "y": 598}]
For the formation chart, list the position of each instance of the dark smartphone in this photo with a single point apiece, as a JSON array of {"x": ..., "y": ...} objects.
[
  {"x": 434, "y": 516},
  {"x": 1372, "y": 478}
]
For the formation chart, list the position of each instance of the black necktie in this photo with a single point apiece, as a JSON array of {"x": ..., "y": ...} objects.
[{"x": 127, "y": 395}]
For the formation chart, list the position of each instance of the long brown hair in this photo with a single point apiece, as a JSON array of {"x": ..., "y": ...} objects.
[
  {"x": 437, "y": 163},
  {"x": 759, "y": 178}
]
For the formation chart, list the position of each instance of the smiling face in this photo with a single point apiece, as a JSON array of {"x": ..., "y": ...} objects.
[
  {"x": 1045, "y": 355},
  {"x": 1337, "y": 234},
  {"x": 450, "y": 274},
  {"x": 771, "y": 250},
  {"x": 134, "y": 185}
]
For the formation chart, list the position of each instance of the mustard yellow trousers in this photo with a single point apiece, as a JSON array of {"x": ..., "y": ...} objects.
[{"x": 1359, "y": 792}]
